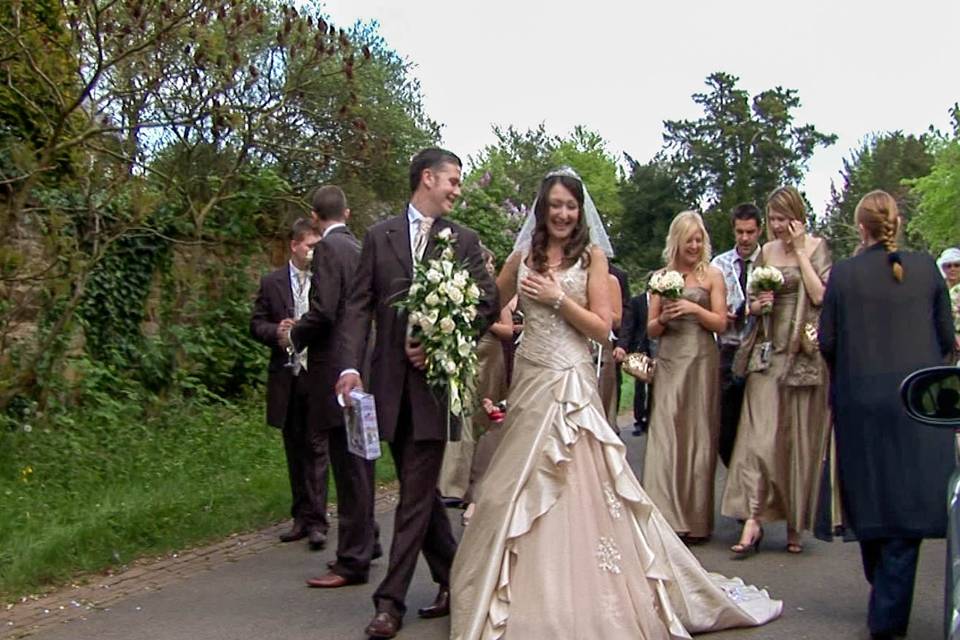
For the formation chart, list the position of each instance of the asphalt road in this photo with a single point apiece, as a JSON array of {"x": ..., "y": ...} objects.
[{"x": 263, "y": 597}]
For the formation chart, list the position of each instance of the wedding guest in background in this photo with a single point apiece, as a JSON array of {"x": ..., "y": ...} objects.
[
  {"x": 412, "y": 419},
  {"x": 608, "y": 365},
  {"x": 949, "y": 263},
  {"x": 510, "y": 346},
  {"x": 460, "y": 458},
  {"x": 784, "y": 423},
  {"x": 492, "y": 385},
  {"x": 634, "y": 339},
  {"x": 885, "y": 315},
  {"x": 623, "y": 280},
  {"x": 681, "y": 453},
  {"x": 283, "y": 297},
  {"x": 335, "y": 261},
  {"x": 735, "y": 265}
]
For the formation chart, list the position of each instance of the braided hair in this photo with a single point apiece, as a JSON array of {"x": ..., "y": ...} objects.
[{"x": 878, "y": 214}]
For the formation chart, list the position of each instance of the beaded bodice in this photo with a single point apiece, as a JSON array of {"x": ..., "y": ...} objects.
[{"x": 548, "y": 339}]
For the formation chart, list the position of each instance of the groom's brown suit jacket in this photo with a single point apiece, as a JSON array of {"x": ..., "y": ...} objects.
[{"x": 384, "y": 275}]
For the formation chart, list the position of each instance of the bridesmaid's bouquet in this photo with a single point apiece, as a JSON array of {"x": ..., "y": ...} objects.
[
  {"x": 667, "y": 284},
  {"x": 765, "y": 279},
  {"x": 441, "y": 307}
]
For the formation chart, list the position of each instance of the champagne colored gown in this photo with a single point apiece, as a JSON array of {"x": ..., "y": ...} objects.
[
  {"x": 460, "y": 464},
  {"x": 681, "y": 457},
  {"x": 491, "y": 383},
  {"x": 784, "y": 430},
  {"x": 565, "y": 543}
]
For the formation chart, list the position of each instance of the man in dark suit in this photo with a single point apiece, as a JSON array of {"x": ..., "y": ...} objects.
[
  {"x": 633, "y": 339},
  {"x": 735, "y": 265},
  {"x": 335, "y": 262},
  {"x": 412, "y": 415},
  {"x": 284, "y": 296}
]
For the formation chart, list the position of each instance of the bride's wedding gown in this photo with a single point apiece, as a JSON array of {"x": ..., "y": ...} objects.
[{"x": 565, "y": 543}]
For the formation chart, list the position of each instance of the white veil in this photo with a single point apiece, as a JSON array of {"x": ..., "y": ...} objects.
[{"x": 598, "y": 235}]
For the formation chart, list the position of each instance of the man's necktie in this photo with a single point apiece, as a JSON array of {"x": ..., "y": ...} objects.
[
  {"x": 301, "y": 304},
  {"x": 742, "y": 311},
  {"x": 420, "y": 240}
]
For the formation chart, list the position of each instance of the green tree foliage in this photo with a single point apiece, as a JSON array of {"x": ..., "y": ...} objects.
[
  {"x": 386, "y": 98},
  {"x": 739, "y": 150},
  {"x": 155, "y": 151},
  {"x": 883, "y": 161},
  {"x": 504, "y": 178},
  {"x": 651, "y": 197},
  {"x": 937, "y": 220}
]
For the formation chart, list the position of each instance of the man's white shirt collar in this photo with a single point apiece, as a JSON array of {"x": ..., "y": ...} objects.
[
  {"x": 413, "y": 215},
  {"x": 335, "y": 225},
  {"x": 294, "y": 271},
  {"x": 753, "y": 256}
]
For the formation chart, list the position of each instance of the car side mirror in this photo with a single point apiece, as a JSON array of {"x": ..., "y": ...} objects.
[{"x": 932, "y": 396}]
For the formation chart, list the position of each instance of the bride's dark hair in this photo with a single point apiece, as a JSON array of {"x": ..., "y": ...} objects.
[{"x": 575, "y": 248}]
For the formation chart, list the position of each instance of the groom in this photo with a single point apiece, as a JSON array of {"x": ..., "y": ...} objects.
[{"x": 412, "y": 415}]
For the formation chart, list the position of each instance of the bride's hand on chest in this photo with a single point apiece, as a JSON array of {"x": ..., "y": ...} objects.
[{"x": 543, "y": 289}]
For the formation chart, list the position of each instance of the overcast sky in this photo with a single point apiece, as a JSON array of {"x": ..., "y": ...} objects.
[{"x": 622, "y": 68}]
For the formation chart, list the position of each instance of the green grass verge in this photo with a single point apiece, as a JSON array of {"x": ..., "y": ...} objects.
[
  {"x": 107, "y": 485},
  {"x": 627, "y": 388}
]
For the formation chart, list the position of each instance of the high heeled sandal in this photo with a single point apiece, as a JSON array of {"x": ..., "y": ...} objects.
[
  {"x": 794, "y": 547},
  {"x": 741, "y": 549}
]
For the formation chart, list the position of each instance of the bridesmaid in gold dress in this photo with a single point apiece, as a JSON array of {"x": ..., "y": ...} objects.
[
  {"x": 492, "y": 384},
  {"x": 784, "y": 424},
  {"x": 608, "y": 366},
  {"x": 565, "y": 543},
  {"x": 466, "y": 460},
  {"x": 681, "y": 454}
]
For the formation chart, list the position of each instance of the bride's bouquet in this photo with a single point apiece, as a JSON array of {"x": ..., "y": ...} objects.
[
  {"x": 668, "y": 284},
  {"x": 441, "y": 307},
  {"x": 765, "y": 279}
]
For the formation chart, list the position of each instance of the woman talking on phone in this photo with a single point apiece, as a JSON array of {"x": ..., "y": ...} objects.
[{"x": 784, "y": 422}]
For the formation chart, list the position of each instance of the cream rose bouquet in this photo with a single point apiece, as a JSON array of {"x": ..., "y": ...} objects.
[
  {"x": 441, "y": 307},
  {"x": 765, "y": 279},
  {"x": 668, "y": 284}
]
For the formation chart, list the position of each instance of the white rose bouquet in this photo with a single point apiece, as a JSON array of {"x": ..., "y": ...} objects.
[
  {"x": 441, "y": 307},
  {"x": 668, "y": 284},
  {"x": 765, "y": 279}
]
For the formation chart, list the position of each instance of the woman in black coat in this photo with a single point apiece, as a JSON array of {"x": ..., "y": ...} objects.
[{"x": 886, "y": 314}]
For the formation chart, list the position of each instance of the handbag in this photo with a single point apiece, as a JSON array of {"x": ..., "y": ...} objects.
[
  {"x": 753, "y": 355},
  {"x": 640, "y": 366},
  {"x": 760, "y": 357},
  {"x": 809, "y": 338}
]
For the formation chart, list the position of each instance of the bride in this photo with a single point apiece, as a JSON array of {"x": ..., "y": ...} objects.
[{"x": 565, "y": 543}]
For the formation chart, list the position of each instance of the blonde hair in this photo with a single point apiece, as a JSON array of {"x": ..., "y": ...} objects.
[
  {"x": 787, "y": 201},
  {"x": 682, "y": 227},
  {"x": 879, "y": 215}
]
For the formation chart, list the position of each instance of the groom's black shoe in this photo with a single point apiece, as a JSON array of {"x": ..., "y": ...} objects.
[
  {"x": 297, "y": 532},
  {"x": 383, "y": 625},
  {"x": 440, "y": 606},
  {"x": 317, "y": 539}
]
